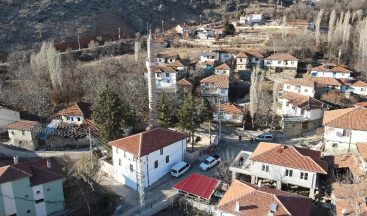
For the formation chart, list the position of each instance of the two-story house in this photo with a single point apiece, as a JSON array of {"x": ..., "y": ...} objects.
[
  {"x": 163, "y": 59},
  {"x": 7, "y": 116},
  {"x": 165, "y": 77},
  {"x": 148, "y": 155},
  {"x": 249, "y": 199},
  {"x": 245, "y": 59},
  {"x": 76, "y": 113},
  {"x": 358, "y": 87},
  {"x": 209, "y": 56},
  {"x": 230, "y": 113},
  {"x": 23, "y": 134},
  {"x": 223, "y": 69},
  {"x": 281, "y": 60},
  {"x": 215, "y": 86},
  {"x": 32, "y": 188},
  {"x": 303, "y": 86},
  {"x": 344, "y": 128},
  {"x": 331, "y": 70},
  {"x": 282, "y": 164}
]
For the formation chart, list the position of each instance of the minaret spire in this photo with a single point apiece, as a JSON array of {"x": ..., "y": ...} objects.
[{"x": 150, "y": 64}]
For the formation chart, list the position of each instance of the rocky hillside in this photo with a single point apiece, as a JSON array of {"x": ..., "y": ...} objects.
[{"x": 26, "y": 23}]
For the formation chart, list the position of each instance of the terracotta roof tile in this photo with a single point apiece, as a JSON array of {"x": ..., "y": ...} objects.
[
  {"x": 331, "y": 68},
  {"x": 300, "y": 82},
  {"x": 282, "y": 57},
  {"x": 23, "y": 125},
  {"x": 77, "y": 109},
  {"x": 10, "y": 173},
  {"x": 242, "y": 55},
  {"x": 198, "y": 185},
  {"x": 222, "y": 67},
  {"x": 162, "y": 55},
  {"x": 362, "y": 149},
  {"x": 184, "y": 82},
  {"x": 164, "y": 69},
  {"x": 230, "y": 108},
  {"x": 257, "y": 201},
  {"x": 289, "y": 156},
  {"x": 359, "y": 83},
  {"x": 178, "y": 63},
  {"x": 348, "y": 161},
  {"x": 148, "y": 141},
  {"x": 326, "y": 81},
  {"x": 351, "y": 118},
  {"x": 303, "y": 101},
  {"x": 220, "y": 81}
]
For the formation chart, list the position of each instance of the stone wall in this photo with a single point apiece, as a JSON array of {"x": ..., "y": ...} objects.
[{"x": 295, "y": 129}]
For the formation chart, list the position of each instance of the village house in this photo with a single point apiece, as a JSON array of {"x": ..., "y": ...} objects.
[
  {"x": 165, "y": 77},
  {"x": 180, "y": 65},
  {"x": 37, "y": 185},
  {"x": 246, "y": 59},
  {"x": 331, "y": 70},
  {"x": 184, "y": 29},
  {"x": 163, "y": 59},
  {"x": 149, "y": 155},
  {"x": 358, "y": 87},
  {"x": 209, "y": 56},
  {"x": 344, "y": 128},
  {"x": 230, "y": 113},
  {"x": 159, "y": 43},
  {"x": 249, "y": 199},
  {"x": 185, "y": 86},
  {"x": 22, "y": 134},
  {"x": 7, "y": 116},
  {"x": 303, "y": 86},
  {"x": 281, "y": 60},
  {"x": 205, "y": 32},
  {"x": 76, "y": 113},
  {"x": 215, "y": 86},
  {"x": 222, "y": 69},
  {"x": 271, "y": 161}
]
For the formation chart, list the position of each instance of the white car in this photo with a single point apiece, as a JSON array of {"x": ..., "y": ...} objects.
[
  {"x": 265, "y": 137},
  {"x": 180, "y": 168},
  {"x": 209, "y": 162}
]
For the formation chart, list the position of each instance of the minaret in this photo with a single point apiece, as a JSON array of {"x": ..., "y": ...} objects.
[{"x": 150, "y": 64}]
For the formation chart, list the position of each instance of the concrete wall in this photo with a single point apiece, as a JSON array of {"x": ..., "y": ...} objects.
[
  {"x": 294, "y": 129},
  {"x": 59, "y": 141},
  {"x": 296, "y": 111},
  {"x": 23, "y": 139},
  {"x": 281, "y": 63},
  {"x": 330, "y": 74},
  {"x": 54, "y": 195},
  {"x": 360, "y": 90},
  {"x": 336, "y": 143}
]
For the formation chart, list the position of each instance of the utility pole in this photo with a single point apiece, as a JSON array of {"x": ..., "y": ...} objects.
[
  {"x": 79, "y": 41},
  {"x": 162, "y": 27},
  {"x": 119, "y": 33}
]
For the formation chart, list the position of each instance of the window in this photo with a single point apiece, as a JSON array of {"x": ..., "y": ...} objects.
[
  {"x": 167, "y": 74},
  {"x": 48, "y": 189},
  {"x": 78, "y": 119},
  {"x": 279, "y": 62},
  {"x": 131, "y": 168},
  {"x": 288, "y": 172},
  {"x": 346, "y": 132},
  {"x": 38, "y": 192},
  {"x": 28, "y": 211},
  {"x": 287, "y": 103},
  {"x": 305, "y": 90},
  {"x": 363, "y": 89},
  {"x": 161, "y": 151},
  {"x": 40, "y": 200},
  {"x": 68, "y": 118},
  {"x": 23, "y": 132},
  {"x": 157, "y": 75},
  {"x": 288, "y": 86},
  {"x": 167, "y": 159},
  {"x": 124, "y": 154},
  {"x": 156, "y": 164},
  {"x": 302, "y": 111},
  {"x": 12, "y": 132},
  {"x": 301, "y": 175},
  {"x": 26, "y": 196},
  {"x": 240, "y": 60},
  {"x": 117, "y": 150},
  {"x": 72, "y": 118},
  {"x": 223, "y": 91},
  {"x": 306, "y": 176},
  {"x": 265, "y": 168},
  {"x": 119, "y": 162}
]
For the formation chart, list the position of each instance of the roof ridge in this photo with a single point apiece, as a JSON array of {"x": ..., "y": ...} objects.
[
  {"x": 26, "y": 173},
  {"x": 49, "y": 170},
  {"x": 275, "y": 146},
  {"x": 308, "y": 157},
  {"x": 276, "y": 197},
  {"x": 352, "y": 110}
]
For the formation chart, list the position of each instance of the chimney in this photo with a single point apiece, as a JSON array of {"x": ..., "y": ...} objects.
[
  {"x": 150, "y": 63},
  {"x": 237, "y": 207},
  {"x": 259, "y": 184},
  {"x": 15, "y": 160},
  {"x": 273, "y": 209},
  {"x": 344, "y": 211},
  {"x": 48, "y": 161}
]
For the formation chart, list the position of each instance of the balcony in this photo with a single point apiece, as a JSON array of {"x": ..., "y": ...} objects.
[{"x": 243, "y": 168}]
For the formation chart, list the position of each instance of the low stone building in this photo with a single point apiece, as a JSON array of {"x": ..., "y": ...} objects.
[{"x": 23, "y": 134}]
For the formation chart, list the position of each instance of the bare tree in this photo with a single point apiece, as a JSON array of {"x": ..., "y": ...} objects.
[
  {"x": 318, "y": 23},
  {"x": 331, "y": 25},
  {"x": 254, "y": 93}
]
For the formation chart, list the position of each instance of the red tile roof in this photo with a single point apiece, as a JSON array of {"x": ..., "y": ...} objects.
[
  {"x": 326, "y": 81},
  {"x": 282, "y": 57},
  {"x": 303, "y": 101},
  {"x": 198, "y": 185},
  {"x": 231, "y": 108},
  {"x": 37, "y": 171},
  {"x": 184, "y": 82},
  {"x": 178, "y": 63},
  {"x": 362, "y": 149},
  {"x": 350, "y": 118},
  {"x": 300, "y": 82},
  {"x": 77, "y": 109},
  {"x": 222, "y": 67},
  {"x": 257, "y": 201},
  {"x": 23, "y": 125},
  {"x": 331, "y": 68},
  {"x": 359, "y": 83},
  {"x": 148, "y": 141},
  {"x": 289, "y": 156},
  {"x": 164, "y": 69},
  {"x": 220, "y": 81},
  {"x": 159, "y": 40}
]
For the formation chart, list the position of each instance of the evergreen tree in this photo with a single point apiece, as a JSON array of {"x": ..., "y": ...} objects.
[
  {"x": 108, "y": 114},
  {"x": 189, "y": 116},
  {"x": 229, "y": 28},
  {"x": 164, "y": 117},
  {"x": 207, "y": 115}
]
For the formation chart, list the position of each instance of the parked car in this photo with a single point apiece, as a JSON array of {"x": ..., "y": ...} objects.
[
  {"x": 180, "y": 168},
  {"x": 268, "y": 137},
  {"x": 209, "y": 162}
]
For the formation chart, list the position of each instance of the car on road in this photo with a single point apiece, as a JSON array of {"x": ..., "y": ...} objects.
[
  {"x": 209, "y": 162},
  {"x": 267, "y": 137},
  {"x": 180, "y": 168}
]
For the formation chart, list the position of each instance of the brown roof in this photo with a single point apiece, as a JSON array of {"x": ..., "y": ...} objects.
[
  {"x": 331, "y": 68},
  {"x": 282, "y": 57},
  {"x": 77, "y": 109},
  {"x": 257, "y": 201},
  {"x": 162, "y": 55},
  {"x": 231, "y": 108},
  {"x": 222, "y": 67},
  {"x": 37, "y": 171},
  {"x": 289, "y": 156},
  {"x": 354, "y": 206},
  {"x": 300, "y": 82},
  {"x": 23, "y": 125},
  {"x": 220, "y": 81},
  {"x": 351, "y": 197},
  {"x": 326, "y": 81},
  {"x": 359, "y": 83},
  {"x": 164, "y": 69},
  {"x": 303, "y": 101},
  {"x": 362, "y": 149},
  {"x": 350, "y": 118},
  {"x": 178, "y": 63},
  {"x": 148, "y": 141},
  {"x": 184, "y": 82},
  {"x": 246, "y": 54},
  {"x": 348, "y": 161},
  {"x": 241, "y": 55}
]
